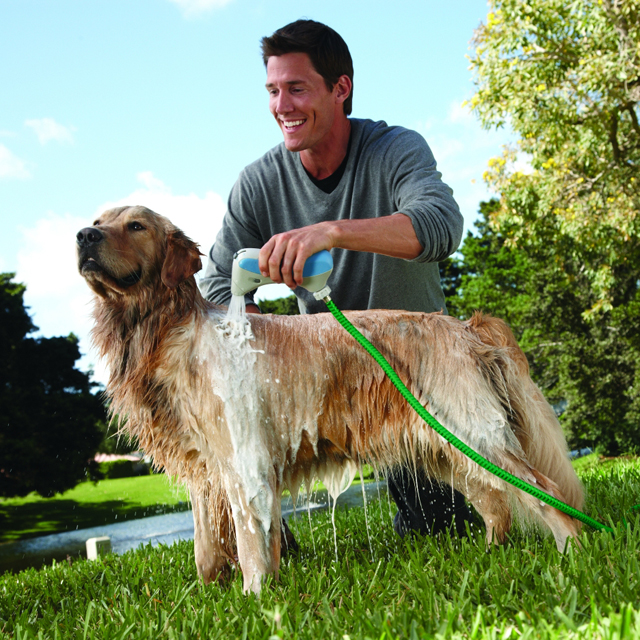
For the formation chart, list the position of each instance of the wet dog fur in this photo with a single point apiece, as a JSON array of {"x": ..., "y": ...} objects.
[{"x": 241, "y": 412}]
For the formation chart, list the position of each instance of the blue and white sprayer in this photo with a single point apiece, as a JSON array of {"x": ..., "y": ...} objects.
[{"x": 246, "y": 276}]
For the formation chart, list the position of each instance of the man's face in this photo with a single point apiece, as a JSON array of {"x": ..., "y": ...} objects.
[{"x": 299, "y": 100}]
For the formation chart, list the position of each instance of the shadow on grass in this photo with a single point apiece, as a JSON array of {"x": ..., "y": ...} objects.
[{"x": 43, "y": 518}]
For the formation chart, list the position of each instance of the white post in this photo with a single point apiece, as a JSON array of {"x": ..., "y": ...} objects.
[{"x": 98, "y": 547}]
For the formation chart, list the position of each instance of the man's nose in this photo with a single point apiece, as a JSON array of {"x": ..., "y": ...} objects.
[{"x": 283, "y": 103}]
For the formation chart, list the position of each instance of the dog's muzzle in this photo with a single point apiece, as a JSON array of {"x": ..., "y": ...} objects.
[{"x": 87, "y": 241}]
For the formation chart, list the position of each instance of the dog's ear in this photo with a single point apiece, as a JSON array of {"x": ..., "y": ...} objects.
[{"x": 181, "y": 261}]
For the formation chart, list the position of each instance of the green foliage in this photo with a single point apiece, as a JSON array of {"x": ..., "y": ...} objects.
[
  {"x": 373, "y": 586},
  {"x": 590, "y": 364},
  {"x": 116, "y": 441},
  {"x": 280, "y": 306},
  {"x": 48, "y": 413},
  {"x": 566, "y": 77},
  {"x": 123, "y": 469},
  {"x": 491, "y": 277}
]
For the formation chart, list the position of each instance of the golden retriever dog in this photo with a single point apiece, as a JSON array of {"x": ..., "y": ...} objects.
[{"x": 241, "y": 410}]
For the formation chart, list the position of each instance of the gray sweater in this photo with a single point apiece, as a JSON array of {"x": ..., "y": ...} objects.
[{"x": 389, "y": 170}]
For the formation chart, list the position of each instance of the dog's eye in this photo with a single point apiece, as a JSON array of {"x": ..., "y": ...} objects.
[{"x": 135, "y": 226}]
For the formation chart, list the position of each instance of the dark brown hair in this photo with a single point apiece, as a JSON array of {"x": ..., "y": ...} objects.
[{"x": 326, "y": 49}]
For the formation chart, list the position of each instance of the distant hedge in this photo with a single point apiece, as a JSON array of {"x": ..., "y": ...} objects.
[{"x": 123, "y": 469}]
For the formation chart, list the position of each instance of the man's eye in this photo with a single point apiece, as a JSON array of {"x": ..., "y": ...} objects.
[{"x": 136, "y": 226}]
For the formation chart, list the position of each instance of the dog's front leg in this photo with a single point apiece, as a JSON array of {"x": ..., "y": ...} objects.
[
  {"x": 212, "y": 534},
  {"x": 255, "y": 504}
]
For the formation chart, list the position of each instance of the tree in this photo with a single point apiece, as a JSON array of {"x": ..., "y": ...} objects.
[
  {"x": 48, "y": 413},
  {"x": 591, "y": 368},
  {"x": 114, "y": 438},
  {"x": 492, "y": 275},
  {"x": 280, "y": 306},
  {"x": 565, "y": 76}
]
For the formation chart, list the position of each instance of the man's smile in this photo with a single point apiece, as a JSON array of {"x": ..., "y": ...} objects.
[{"x": 292, "y": 124}]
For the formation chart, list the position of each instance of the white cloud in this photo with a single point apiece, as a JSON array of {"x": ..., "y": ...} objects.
[
  {"x": 48, "y": 129},
  {"x": 11, "y": 166},
  {"x": 59, "y": 300},
  {"x": 462, "y": 148},
  {"x": 199, "y": 218},
  {"x": 193, "y": 8}
]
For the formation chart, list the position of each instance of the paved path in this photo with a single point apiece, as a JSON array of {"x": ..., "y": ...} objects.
[{"x": 155, "y": 530}]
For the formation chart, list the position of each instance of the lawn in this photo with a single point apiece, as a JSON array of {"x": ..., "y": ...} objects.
[
  {"x": 90, "y": 504},
  {"x": 379, "y": 587}
]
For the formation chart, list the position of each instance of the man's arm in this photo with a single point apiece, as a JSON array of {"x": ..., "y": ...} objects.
[
  {"x": 282, "y": 258},
  {"x": 429, "y": 230}
]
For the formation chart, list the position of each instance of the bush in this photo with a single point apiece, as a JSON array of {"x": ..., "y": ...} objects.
[
  {"x": 123, "y": 469},
  {"x": 280, "y": 306}
]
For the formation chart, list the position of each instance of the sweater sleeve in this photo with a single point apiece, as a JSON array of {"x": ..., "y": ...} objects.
[
  {"x": 238, "y": 231},
  {"x": 419, "y": 193}
]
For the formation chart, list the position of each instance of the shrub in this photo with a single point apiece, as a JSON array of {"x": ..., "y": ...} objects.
[{"x": 123, "y": 469}]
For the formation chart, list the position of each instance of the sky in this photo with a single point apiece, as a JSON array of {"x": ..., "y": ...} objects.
[{"x": 162, "y": 103}]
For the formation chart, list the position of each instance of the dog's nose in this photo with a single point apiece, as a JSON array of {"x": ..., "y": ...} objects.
[{"x": 89, "y": 236}]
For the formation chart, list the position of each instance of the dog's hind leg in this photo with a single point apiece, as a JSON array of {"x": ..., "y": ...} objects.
[
  {"x": 493, "y": 499},
  {"x": 489, "y": 501},
  {"x": 493, "y": 506},
  {"x": 564, "y": 527}
]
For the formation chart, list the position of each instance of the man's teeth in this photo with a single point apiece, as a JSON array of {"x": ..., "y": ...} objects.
[{"x": 294, "y": 123}]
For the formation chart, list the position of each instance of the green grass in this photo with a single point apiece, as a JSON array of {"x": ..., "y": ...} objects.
[
  {"x": 89, "y": 505},
  {"x": 380, "y": 587}
]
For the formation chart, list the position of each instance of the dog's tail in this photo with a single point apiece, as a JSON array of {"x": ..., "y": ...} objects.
[{"x": 535, "y": 423}]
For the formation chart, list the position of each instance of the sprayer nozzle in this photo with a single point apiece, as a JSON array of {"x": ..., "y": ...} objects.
[{"x": 245, "y": 272}]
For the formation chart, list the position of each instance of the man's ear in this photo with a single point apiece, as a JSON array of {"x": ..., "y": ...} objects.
[
  {"x": 344, "y": 87},
  {"x": 181, "y": 261}
]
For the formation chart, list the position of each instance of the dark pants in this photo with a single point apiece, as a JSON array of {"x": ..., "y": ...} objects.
[{"x": 427, "y": 507}]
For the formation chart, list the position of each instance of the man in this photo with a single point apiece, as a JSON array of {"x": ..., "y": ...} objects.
[{"x": 368, "y": 192}]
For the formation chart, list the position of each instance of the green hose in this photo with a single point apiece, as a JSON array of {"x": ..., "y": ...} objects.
[{"x": 450, "y": 437}]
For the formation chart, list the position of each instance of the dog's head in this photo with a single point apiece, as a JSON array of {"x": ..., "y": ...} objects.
[{"x": 129, "y": 248}]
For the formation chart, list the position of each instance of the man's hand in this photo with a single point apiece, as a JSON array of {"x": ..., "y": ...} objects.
[{"x": 282, "y": 258}]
